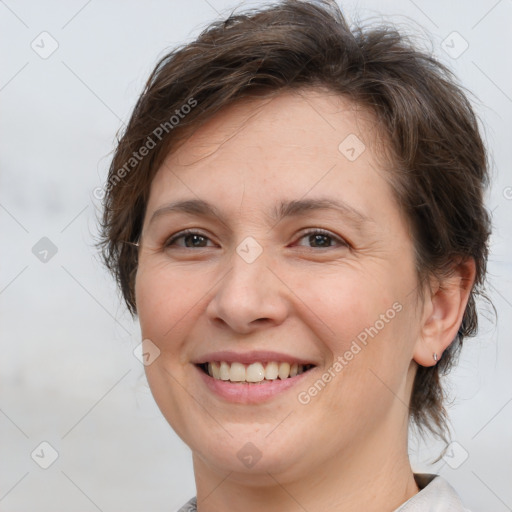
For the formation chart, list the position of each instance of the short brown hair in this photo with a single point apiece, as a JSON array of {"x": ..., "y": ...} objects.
[{"x": 439, "y": 170}]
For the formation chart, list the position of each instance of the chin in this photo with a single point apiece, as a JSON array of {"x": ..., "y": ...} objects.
[{"x": 247, "y": 453}]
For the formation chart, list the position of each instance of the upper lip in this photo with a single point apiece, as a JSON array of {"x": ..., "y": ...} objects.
[{"x": 253, "y": 356}]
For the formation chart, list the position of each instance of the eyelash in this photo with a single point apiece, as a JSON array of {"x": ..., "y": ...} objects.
[{"x": 311, "y": 231}]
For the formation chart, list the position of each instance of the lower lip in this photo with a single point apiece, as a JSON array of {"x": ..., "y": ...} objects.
[{"x": 244, "y": 393}]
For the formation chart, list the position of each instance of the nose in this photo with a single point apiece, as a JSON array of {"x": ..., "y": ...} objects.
[{"x": 249, "y": 297}]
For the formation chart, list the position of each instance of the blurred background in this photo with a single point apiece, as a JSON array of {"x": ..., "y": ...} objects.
[{"x": 78, "y": 427}]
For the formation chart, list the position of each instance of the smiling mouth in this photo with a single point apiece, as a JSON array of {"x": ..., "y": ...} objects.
[{"x": 254, "y": 373}]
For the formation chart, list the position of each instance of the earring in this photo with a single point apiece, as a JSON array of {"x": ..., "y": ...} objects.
[{"x": 435, "y": 357}]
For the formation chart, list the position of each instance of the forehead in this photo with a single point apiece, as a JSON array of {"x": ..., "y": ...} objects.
[
  {"x": 305, "y": 120},
  {"x": 284, "y": 147}
]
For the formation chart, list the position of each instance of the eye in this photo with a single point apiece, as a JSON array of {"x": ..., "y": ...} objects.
[
  {"x": 320, "y": 238},
  {"x": 191, "y": 239}
]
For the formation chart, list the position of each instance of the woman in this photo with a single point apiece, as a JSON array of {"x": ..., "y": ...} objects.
[{"x": 295, "y": 213}]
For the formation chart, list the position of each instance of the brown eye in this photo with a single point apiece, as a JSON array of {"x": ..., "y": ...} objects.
[
  {"x": 189, "y": 240},
  {"x": 322, "y": 239}
]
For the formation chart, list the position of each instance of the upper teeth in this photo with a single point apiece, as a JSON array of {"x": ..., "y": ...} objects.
[{"x": 255, "y": 372}]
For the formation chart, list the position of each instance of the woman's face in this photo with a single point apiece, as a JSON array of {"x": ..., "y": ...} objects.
[{"x": 307, "y": 260}]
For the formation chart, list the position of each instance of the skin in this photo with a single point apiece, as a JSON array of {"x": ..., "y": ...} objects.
[{"x": 346, "y": 449}]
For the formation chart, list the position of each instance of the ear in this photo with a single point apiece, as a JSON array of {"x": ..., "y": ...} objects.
[{"x": 443, "y": 311}]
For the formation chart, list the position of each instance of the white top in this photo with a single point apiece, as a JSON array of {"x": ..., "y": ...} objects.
[{"x": 436, "y": 495}]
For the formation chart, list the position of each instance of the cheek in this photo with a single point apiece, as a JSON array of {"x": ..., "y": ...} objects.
[
  {"x": 163, "y": 299},
  {"x": 164, "y": 296},
  {"x": 150, "y": 301},
  {"x": 349, "y": 305},
  {"x": 366, "y": 327}
]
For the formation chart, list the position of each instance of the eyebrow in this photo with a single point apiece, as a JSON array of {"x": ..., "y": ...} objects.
[{"x": 285, "y": 209}]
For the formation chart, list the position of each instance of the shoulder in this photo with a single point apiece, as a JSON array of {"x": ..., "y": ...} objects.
[
  {"x": 436, "y": 495},
  {"x": 190, "y": 506}
]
